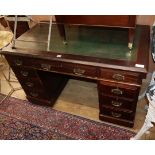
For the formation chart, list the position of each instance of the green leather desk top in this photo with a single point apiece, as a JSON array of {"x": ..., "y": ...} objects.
[{"x": 82, "y": 40}]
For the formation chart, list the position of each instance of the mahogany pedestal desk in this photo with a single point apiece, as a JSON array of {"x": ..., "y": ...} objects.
[{"x": 96, "y": 54}]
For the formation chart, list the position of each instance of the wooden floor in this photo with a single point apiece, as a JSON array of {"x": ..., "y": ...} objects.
[{"x": 75, "y": 100}]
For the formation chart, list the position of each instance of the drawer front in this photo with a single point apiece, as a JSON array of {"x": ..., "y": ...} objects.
[
  {"x": 46, "y": 65},
  {"x": 79, "y": 70},
  {"x": 35, "y": 93},
  {"x": 24, "y": 72},
  {"x": 32, "y": 84},
  {"x": 120, "y": 76},
  {"x": 39, "y": 101},
  {"x": 117, "y": 114},
  {"x": 118, "y": 90},
  {"x": 18, "y": 60},
  {"x": 28, "y": 78},
  {"x": 116, "y": 102},
  {"x": 34, "y": 88}
]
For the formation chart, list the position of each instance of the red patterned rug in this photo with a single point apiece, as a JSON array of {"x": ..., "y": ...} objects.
[{"x": 22, "y": 120}]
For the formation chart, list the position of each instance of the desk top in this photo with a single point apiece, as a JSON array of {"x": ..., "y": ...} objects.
[
  {"x": 85, "y": 41},
  {"x": 93, "y": 44}
]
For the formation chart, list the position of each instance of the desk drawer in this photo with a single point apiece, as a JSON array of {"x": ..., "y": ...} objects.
[
  {"x": 117, "y": 113},
  {"x": 33, "y": 87},
  {"x": 79, "y": 70},
  {"x": 32, "y": 83},
  {"x": 40, "y": 94},
  {"x": 18, "y": 61},
  {"x": 121, "y": 76},
  {"x": 24, "y": 72},
  {"x": 117, "y": 102},
  {"x": 46, "y": 65},
  {"x": 68, "y": 68},
  {"x": 118, "y": 90}
]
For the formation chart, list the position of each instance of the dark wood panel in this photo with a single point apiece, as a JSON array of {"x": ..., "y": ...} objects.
[
  {"x": 99, "y": 20},
  {"x": 54, "y": 83},
  {"x": 144, "y": 44}
]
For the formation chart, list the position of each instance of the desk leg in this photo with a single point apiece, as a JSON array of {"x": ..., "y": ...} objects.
[
  {"x": 131, "y": 34},
  {"x": 62, "y": 32}
]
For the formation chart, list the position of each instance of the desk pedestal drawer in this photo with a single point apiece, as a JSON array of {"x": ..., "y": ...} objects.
[
  {"x": 120, "y": 76},
  {"x": 36, "y": 93},
  {"x": 117, "y": 102},
  {"x": 24, "y": 72},
  {"x": 118, "y": 121},
  {"x": 119, "y": 114},
  {"x": 118, "y": 89},
  {"x": 40, "y": 101}
]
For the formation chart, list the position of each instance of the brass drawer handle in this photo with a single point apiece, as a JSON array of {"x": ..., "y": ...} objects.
[
  {"x": 18, "y": 62},
  {"x": 115, "y": 114},
  {"x": 117, "y": 91},
  {"x": 46, "y": 67},
  {"x": 29, "y": 84},
  {"x": 33, "y": 94},
  {"x": 116, "y": 103},
  {"x": 24, "y": 73},
  {"x": 78, "y": 71},
  {"x": 118, "y": 77}
]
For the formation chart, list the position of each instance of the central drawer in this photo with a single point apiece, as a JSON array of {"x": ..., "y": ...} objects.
[{"x": 79, "y": 70}]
